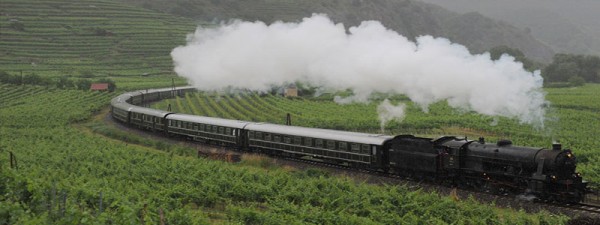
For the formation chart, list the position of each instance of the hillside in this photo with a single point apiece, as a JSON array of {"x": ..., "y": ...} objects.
[
  {"x": 89, "y": 39},
  {"x": 566, "y": 26},
  {"x": 410, "y": 18}
]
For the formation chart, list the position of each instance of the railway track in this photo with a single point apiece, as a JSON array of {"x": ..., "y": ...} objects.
[
  {"x": 575, "y": 210},
  {"x": 585, "y": 207},
  {"x": 585, "y": 210}
]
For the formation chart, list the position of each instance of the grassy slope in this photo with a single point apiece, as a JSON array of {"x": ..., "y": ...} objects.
[{"x": 89, "y": 39}]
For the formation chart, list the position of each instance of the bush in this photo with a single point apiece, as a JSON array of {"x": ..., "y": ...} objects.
[{"x": 576, "y": 81}]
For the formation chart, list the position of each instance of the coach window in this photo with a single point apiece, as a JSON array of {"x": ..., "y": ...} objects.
[
  {"x": 287, "y": 140},
  {"x": 331, "y": 144},
  {"x": 308, "y": 142},
  {"x": 343, "y": 146},
  {"x": 355, "y": 147},
  {"x": 276, "y": 138},
  {"x": 195, "y": 126},
  {"x": 259, "y": 135},
  {"x": 267, "y": 137},
  {"x": 319, "y": 143},
  {"x": 251, "y": 134},
  {"x": 202, "y": 127},
  {"x": 221, "y": 130},
  {"x": 365, "y": 149},
  {"x": 228, "y": 131},
  {"x": 297, "y": 140},
  {"x": 215, "y": 129}
]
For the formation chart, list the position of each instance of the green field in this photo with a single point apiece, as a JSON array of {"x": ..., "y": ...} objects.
[{"x": 572, "y": 119}]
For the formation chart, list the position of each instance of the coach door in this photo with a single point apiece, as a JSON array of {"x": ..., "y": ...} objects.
[{"x": 242, "y": 137}]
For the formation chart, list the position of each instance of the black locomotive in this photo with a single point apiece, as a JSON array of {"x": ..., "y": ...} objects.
[{"x": 547, "y": 174}]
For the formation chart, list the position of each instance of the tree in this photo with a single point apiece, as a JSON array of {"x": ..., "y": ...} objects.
[
  {"x": 83, "y": 84},
  {"x": 576, "y": 81},
  {"x": 5, "y": 77},
  {"x": 566, "y": 66},
  {"x": 560, "y": 72},
  {"x": 590, "y": 68},
  {"x": 498, "y": 51},
  {"x": 64, "y": 83}
]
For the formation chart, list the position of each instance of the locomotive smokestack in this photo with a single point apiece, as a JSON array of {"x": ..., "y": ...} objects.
[
  {"x": 556, "y": 146},
  {"x": 481, "y": 140}
]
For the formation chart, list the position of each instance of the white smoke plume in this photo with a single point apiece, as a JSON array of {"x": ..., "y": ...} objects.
[
  {"x": 388, "y": 112},
  {"x": 365, "y": 58}
]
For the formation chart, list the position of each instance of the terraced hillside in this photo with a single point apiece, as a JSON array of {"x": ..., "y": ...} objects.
[
  {"x": 87, "y": 39},
  {"x": 410, "y": 18}
]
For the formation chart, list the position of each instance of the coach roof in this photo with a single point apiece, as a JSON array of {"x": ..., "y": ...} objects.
[
  {"x": 374, "y": 139},
  {"x": 149, "y": 111},
  {"x": 209, "y": 120}
]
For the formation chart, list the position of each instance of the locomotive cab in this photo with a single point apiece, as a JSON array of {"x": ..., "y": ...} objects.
[{"x": 453, "y": 149}]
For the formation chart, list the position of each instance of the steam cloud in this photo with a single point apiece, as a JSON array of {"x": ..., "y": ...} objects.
[
  {"x": 365, "y": 58},
  {"x": 388, "y": 112}
]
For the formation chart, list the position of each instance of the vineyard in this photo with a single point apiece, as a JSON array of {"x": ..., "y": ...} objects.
[
  {"x": 60, "y": 163},
  {"x": 55, "y": 172},
  {"x": 572, "y": 119},
  {"x": 90, "y": 39}
]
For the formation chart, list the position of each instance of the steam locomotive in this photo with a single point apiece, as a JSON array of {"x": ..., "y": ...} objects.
[{"x": 547, "y": 174}]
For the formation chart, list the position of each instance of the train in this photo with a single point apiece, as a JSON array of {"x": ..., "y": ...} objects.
[{"x": 501, "y": 167}]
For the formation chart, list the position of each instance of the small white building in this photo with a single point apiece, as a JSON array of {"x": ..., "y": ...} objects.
[{"x": 290, "y": 91}]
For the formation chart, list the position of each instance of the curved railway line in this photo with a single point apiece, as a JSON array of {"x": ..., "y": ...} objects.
[
  {"x": 578, "y": 209},
  {"x": 585, "y": 210}
]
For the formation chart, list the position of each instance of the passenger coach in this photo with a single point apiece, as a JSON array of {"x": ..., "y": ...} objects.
[
  {"x": 358, "y": 149},
  {"x": 208, "y": 129}
]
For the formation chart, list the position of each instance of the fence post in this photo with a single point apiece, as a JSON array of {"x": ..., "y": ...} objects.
[
  {"x": 100, "y": 205},
  {"x": 52, "y": 198},
  {"x": 13, "y": 161},
  {"x": 143, "y": 213},
  {"x": 63, "y": 207},
  {"x": 162, "y": 216}
]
